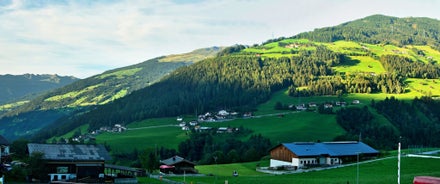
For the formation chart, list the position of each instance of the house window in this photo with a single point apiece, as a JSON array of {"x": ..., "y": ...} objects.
[{"x": 62, "y": 170}]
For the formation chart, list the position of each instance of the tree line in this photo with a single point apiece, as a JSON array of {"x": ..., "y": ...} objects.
[
  {"x": 413, "y": 123},
  {"x": 380, "y": 29}
]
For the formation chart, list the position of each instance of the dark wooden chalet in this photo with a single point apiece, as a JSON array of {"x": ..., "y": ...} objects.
[
  {"x": 75, "y": 163},
  {"x": 177, "y": 165}
]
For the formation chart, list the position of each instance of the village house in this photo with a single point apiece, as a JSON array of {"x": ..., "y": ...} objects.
[
  {"x": 247, "y": 114},
  {"x": 339, "y": 103},
  {"x": 73, "y": 162},
  {"x": 328, "y": 105},
  {"x": 177, "y": 165},
  {"x": 4, "y": 149},
  {"x": 118, "y": 128},
  {"x": 300, "y": 155},
  {"x": 202, "y": 129},
  {"x": 223, "y": 113},
  {"x": 193, "y": 123},
  {"x": 301, "y": 107}
]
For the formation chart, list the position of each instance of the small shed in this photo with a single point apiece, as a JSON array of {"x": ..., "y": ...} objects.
[{"x": 177, "y": 165}]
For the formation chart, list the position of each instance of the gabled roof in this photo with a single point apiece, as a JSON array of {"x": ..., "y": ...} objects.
[
  {"x": 70, "y": 152},
  {"x": 175, "y": 160},
  {"x": 329, "y": 148}
]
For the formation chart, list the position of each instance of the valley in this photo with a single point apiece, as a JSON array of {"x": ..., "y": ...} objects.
[{"x": 343, "y": 83}]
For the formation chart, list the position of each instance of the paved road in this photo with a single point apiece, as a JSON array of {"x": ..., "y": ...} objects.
[{"x": 156, "y": 126}]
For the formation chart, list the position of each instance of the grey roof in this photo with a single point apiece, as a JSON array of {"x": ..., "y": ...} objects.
[
  {"x": 329, "y": 148},
  {"x": 174, "y": 160},
  {"x": 70, "y": 151}
]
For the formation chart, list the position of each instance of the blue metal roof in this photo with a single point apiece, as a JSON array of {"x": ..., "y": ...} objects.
[{"x": 329, "y": 148}]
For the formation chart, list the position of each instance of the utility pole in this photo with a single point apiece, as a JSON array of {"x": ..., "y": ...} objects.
[
  {"x": 398, "y": 163},
  {"x": 357, "y": 173}
]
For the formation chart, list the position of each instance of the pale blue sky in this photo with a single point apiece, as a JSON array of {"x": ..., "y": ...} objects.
[{"x": 87, "y": 37}]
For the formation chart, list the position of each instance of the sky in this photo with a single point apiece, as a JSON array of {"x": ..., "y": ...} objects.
[{"x": 83, "y": 38}]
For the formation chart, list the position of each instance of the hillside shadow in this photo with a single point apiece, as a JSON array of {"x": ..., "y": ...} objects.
[{"x": 349, "y": 62}]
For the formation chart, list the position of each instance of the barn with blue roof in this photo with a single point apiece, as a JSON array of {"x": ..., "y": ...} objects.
[{"x": 303, "y": 154}]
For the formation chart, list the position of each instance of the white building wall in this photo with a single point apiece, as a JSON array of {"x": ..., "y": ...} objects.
[
  {"x": 301, "y": 162},
  {"x": 307, "y": 161},
  {"x": 333, "y": 161},
  {"x": 276, "y": 163},
  {"x": 295, "y": 162}
]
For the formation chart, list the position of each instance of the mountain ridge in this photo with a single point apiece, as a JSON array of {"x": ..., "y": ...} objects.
[
  {"x": 17, "y": 87},
  {"x": 241, "y": 77},
  {"x": 97, "y": 90}
]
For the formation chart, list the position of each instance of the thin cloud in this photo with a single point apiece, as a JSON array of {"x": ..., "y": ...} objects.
[{"x": 84, "y": 38}]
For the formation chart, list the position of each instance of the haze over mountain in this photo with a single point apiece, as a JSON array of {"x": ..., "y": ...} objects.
[
  {"x": 24, "y": 87},
  {"x": 26, "y": 118}
]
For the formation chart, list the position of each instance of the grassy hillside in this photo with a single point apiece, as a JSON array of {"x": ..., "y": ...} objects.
[
  {"x": 94, "y": 91},
  {"x": 297, "y": 126}
]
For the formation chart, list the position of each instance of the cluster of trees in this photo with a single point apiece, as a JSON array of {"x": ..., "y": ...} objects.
[
  {"x": 355, "y": 83},
  {"x": 209, "y": 148},
  {"x": 379, "y": 29},
  {"x": 408, "y": 68},
  {"x": 416, "y": 122},
  {"x": 359, "y": 123},
  {"x": 13, "y": 127},
  {"x": 203, "y": 148}
]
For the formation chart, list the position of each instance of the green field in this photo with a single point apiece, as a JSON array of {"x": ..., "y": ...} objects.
[
  {"x": 362, "y": 64},
  {"x": 292, "y": 127},
  {"x": 424, "y": 86},
  {"x": 384, "y": 171},
  {"x": 142, "y": 139}
]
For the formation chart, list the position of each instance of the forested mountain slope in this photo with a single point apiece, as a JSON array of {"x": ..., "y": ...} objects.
[
  {"x": 16, "y": 87},
  {"x": 330, "y": 61},
  {"x": 94, "y": 91},
  {"x": 380, "y": 29}
]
